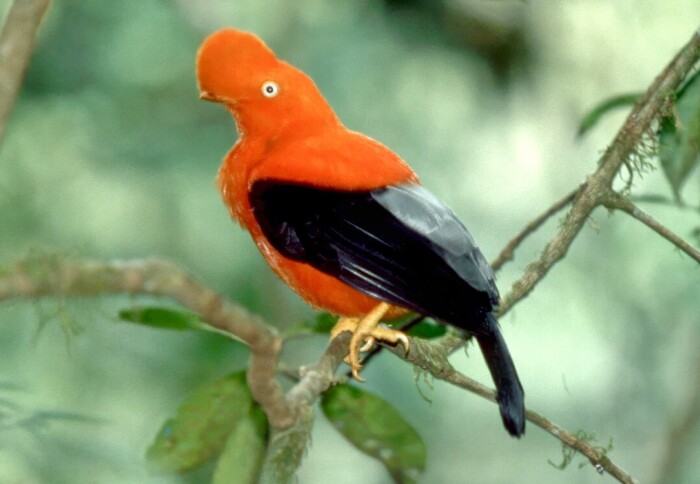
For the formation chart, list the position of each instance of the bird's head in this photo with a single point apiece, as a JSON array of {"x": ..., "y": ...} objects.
[{"x": 265, "y": 94}]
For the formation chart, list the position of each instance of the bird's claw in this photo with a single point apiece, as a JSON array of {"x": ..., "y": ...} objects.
[
  {"x": 366, "y": 332},
  {"x": 368, "y": 344}
]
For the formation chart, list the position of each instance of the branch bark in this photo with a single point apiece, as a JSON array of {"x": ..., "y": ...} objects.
[
  {"x": 16, "y": 47},
  {"x": 508, "y": 251},
  {"x": 316, "y": 379},
  {"x": 35, "y": 278},
  {"x": 596, "y": 188},
  {"x": 286, "y": 449},
  {"x": 618, "y": 202},
  {"x": 433, "y": 359}
]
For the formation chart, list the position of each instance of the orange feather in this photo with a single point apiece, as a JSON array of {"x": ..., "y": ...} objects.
[{"x": 306, "y": 144}]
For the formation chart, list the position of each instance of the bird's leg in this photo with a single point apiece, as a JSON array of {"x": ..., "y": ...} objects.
[{"x": 365, "y": 333}]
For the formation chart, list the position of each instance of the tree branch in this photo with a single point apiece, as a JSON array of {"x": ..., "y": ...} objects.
[
  {"x": 16, "y": 46},
  {"x": 286, "y": 449},
  {"x": 597, "y": 186},
  {"x": 34, "y": 278},
  {"x": 508, "y": 251},
  {"x": 616, "y": 201},
  {"x": 288, "y": 446},
  {"x": 316, "y": 379},
  {"x": 433, "y": 359},
  {"x": 596, "y": 456}
]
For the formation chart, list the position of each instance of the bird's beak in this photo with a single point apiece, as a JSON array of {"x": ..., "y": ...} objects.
[
  {"x": 216, "y": 98},
  {"x": 208, "y": 96}
]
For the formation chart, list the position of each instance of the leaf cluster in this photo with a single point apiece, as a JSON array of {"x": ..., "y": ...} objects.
[{"x": 220, "y": 422}]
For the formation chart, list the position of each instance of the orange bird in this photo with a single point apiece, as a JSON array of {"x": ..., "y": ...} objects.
[{"x": 342, "y": 219}]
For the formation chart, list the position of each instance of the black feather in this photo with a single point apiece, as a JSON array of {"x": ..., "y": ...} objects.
[{"x": 509, "y": 391}]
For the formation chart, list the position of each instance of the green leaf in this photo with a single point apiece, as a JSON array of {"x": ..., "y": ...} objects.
[
  {"x": 202, "y": 425},
  {"x": 679, "y": 137},
  {"x": 427, "y": 329},
  {"x": 652, "y": 198},
  {"x": 592, "y": 118},
  {"x": 321, "y": 323},
  {"x": 376, "y": 428},
  {"x": 244, "y": 451},
  {"x": 163, "y": 318}
]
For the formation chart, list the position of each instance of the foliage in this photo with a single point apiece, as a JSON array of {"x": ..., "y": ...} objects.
[
  {"x": 595, "y": 114},
  {"x": 376, "y": 428},
  {"x": 163, "y": 318},
  {"x": 243, "y": 453},
  {"x": 213, "y": 421},
  {"x": 679, "y": 137}
]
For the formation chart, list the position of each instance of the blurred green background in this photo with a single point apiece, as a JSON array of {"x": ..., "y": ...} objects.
[{"x": 109, "y": 153}]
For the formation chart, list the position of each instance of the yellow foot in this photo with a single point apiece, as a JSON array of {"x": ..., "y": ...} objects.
[{"x": 365, "y": 333}]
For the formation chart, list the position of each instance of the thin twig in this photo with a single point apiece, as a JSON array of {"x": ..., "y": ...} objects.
[
  {"x": 34, "y": 278},
  {"x": 16, "y": 46},
  {"x": 598, "y": 458},
  {"x": 597, "y": 186},
  {"x": 508, "y": 251},
  {"x": 619, "y": 202},
  {"x": 434, "y": 361}
]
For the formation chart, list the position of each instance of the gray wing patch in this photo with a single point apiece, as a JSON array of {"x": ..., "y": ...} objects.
[{"x": 422, "y": 212}]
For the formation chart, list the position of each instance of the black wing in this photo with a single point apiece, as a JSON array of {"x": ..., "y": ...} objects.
[
  {"x": 402, "y": 245},
  {"x": 399, "y": 244}
]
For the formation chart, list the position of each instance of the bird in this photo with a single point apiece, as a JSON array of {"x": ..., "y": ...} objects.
[{"x": 341, "y": 218}]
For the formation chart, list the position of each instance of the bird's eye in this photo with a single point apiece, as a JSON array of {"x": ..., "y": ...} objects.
[{"x": 270, "y": 89}]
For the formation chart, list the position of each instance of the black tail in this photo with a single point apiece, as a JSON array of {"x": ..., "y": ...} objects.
[{"x": 509, "y": 391}]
